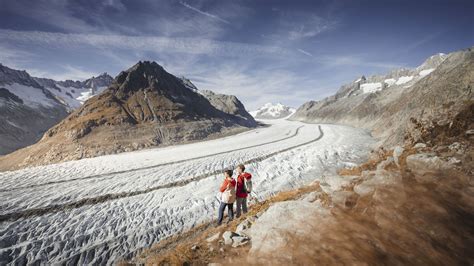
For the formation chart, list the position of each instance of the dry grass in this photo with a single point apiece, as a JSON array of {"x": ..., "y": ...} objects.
[{"x": 377, "y": 157}]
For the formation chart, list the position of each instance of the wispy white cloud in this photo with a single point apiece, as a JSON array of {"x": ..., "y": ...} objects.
[
  {"x": 304, "y": 52},
  {"x": 204, "y": 13},
  {"x": 143, "y": 43},
  {"x": 355, "y": 60},
  {"x": 13, "y": 57},
  {"x": 309, "y": 28}
]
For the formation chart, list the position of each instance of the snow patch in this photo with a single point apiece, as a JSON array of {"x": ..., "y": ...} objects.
[
  {"x": 31, "y": 96},
  {"x": 426, "y": 72},
  {"x": 75, "y": 97},
  {"x": 390, "y": 82},
  {"x": 404, "y": 79},
  {"x": 371, "y": 87}
]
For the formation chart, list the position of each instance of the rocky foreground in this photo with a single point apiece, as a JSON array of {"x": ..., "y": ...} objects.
[{"x": 407, "y": 205}]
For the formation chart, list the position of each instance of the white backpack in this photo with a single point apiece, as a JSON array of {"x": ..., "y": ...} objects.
[{"x": 229, "y": 196}]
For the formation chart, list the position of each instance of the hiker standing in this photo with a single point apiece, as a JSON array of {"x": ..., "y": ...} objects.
[
  {"x": 228, "y": 197},
  {"x": 244, "y": 186}
]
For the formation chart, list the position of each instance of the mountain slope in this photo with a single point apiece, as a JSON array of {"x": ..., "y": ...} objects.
[
  {"x": 273, "y": 111},
  {"x": 27, "y": 110},
  {"x": 145, "y": 106},
  {"x": 439, "y": 88},
  {"x": 229, "y": 104},
  {"x": 74, "y": 93}
]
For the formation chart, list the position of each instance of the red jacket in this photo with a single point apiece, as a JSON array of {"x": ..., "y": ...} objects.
[
  {"x": 240, "y": 185},
  {"x": 225, "y": 183}
]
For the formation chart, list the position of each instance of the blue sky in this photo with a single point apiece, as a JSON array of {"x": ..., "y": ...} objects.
[{"x": 261, "y": 51}]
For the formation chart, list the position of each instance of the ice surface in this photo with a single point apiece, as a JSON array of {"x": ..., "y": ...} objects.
[
  {"x": 112, "y": 228},
  {"x": 31, "y": 96},
  {"x": 75, "y": 97}
]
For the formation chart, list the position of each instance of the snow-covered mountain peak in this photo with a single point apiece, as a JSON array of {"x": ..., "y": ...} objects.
[{"x": 273, "y": 111}]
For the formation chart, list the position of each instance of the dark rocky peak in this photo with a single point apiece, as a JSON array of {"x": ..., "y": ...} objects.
[
  {"x": 71, "y": 84},
  {"x": 148, "y": 75},
  {"x": 103, "y": 80}
]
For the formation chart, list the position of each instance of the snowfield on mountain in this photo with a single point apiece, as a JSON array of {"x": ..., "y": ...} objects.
[
  {"x": 273, "y": 111},
  {"x": 102, "y": 209}
]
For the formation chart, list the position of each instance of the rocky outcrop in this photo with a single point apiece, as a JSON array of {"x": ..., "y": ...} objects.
[
  {"x": 439, "y": 89},
  {"x": 145, "y": 106},
  {"x": 229, "y": 104}
]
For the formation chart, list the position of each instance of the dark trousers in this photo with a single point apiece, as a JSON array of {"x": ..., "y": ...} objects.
[
  {"x": 241, "y": 205},
  {"x": 230, "y": 211}
]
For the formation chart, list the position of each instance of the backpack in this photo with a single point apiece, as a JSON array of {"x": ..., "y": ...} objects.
[
  {"x": 247, "y": 185},
  {"x": 228, "y": 196}
]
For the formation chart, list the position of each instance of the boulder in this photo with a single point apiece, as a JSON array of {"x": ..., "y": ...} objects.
[
  {"x": 282, "y": 222},
  {"x": 238, "y": 241},
  {"x": 234, "y": 239},
  {"x": 227, "y": 236}
]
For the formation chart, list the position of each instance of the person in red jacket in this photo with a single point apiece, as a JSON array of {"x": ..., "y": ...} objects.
[
  {"x": 228, "y": 197},
  {"x": 243, "y": 189}
]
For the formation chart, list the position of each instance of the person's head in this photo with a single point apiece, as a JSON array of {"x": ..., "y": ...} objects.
[
  {"x": 228, "y": 173},
  {"x": 240, "y": 168}
]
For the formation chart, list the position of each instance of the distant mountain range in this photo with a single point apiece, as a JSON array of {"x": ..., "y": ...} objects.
[
  {"x": 273, "y": 111},
  {"x": 143, "y": 106},
  {"x": 395, "y": 105},
  {"x": 29, "y": 106},
  {"x": 74, "y": 93}
]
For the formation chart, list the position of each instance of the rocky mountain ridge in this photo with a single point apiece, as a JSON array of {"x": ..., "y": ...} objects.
[
  {"x": 27, "y": 109},
  {"x": 74, "y": 93},
  {"x": 145, "y": 106},
  {"x": 442, "y": 87}
]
